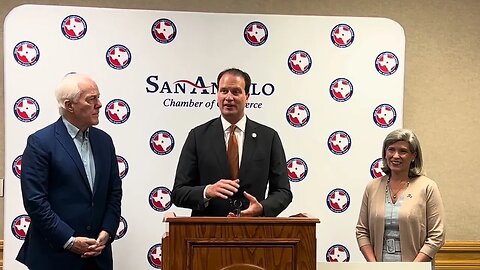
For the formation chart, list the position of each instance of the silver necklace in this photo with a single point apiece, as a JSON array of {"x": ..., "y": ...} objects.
[{"x": 394, "y": 194}]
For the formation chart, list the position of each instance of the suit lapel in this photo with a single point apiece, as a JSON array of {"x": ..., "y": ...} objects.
[
  {"x": 249, "y": 145},
  {"x": 97, "y": 156},
  {"x": 216, "y": 131},
  {"x": 66, "y": 141}
]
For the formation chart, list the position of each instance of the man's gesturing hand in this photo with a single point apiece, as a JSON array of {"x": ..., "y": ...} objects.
[{"x": 223, "y": 188}]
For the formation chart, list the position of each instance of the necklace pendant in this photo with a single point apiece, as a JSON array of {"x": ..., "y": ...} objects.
[{"x": 394, "y": 196}]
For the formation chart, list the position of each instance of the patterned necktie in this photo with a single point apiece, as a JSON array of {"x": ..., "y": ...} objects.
[{"x": 232, "y": 153}]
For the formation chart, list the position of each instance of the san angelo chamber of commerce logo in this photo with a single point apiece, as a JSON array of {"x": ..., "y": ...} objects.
[
  {"x": 17, "y": 166},
  {"x": 117, "y": 111},
  {"x": 122, "y": 228},
  {"x": 160, "y": 199},
  {"x": 154, "y": 256},
  {"x": 122, "y": 166},
  {"x": 386, "y": 63},
  {"x": 341, "y": 89},
  {"x": 255, "y": 33},
  {"x": 26, "y": 109},
  {"x": 339, "y": 142},
  {"x": 118, "y": 57},
  {"x": 162, "y": 142},
  {"x": 74, "y": 27},
  {"x": 26, "y": 53},
  {"x": 337, "y": 253},
  {"x": 342, "y": 35},
  {"x": 299, "y": 62},
  {"x": 20, "y": 226},
  {"x": 298, "y": 115},
  {"x": 384, "y": 115},
  {"x": 338, "y": 200},
  {"x": 164, "y": 31},
  {"x": 376, "y": 168},
  {"x": 297, "y": 169}
]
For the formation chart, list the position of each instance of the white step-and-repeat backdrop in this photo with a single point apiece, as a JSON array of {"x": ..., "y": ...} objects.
[{"x": 331, "y": 86}]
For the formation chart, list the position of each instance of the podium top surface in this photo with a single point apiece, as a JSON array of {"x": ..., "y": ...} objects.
[{"x": 243, "y": 220}]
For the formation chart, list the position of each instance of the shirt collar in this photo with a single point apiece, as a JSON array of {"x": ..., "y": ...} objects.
[
  {"x": 72, "y": 130},
  {"x": 240, "y": 124}
]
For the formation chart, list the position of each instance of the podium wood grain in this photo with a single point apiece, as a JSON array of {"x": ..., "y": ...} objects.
[{"x": 211, "y": 243}]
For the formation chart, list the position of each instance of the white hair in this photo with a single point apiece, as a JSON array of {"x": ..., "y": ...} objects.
[{"x": 71, "y": 87}]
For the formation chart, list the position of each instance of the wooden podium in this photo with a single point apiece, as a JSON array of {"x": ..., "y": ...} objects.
[{"x": 243, "y": 243}]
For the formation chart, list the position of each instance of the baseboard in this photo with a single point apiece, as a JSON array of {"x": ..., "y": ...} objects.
[
  {"x": 454, "y": 255},
  {"x": 458, "y": 255}
]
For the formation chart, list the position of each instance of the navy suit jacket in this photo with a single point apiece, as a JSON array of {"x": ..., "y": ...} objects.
[
  {"x": 59, "y": 201},
  {"x": 204, "y": 161}
]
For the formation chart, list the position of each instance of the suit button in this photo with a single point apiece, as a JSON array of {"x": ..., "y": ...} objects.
[{"x": 89, "y": 228}]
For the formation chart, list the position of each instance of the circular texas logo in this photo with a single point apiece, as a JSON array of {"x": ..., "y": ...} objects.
[
  {"x": 26, "y": 109},
  {"x": 298, "y": 115},
  {"x": 341, "y": 89},
  {"x": 117, "y": 111},
  {"x": 299, "y": 62},
  {"x": 337, "y": 253},
  {"x": 118, "y": 57},
  {"x": 20, "y": 226},
  {"x": 162, "y": 142},
  {"x": 154, "y": 256},
  {"x": 159, "y": 199},
  {"x": 26, "y": 53},
  {"x": 338, "y": 200},
  {"x": 386, "y": 63},
  {"x": 384, "y": 115},
  {"x": 74, "y": 27},
  {"x": 255, "y": 33},
  {"x": 297, "y": 169},
  {"x": 164, "y": 31},
  {"x": 342, "y": 35}
]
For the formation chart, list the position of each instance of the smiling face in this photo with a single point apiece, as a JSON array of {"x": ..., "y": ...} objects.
[
  {"x": 231, "y": 97},
  {"x": 399, "y": 157}
]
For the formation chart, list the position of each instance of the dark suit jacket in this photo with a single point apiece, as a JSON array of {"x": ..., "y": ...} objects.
[
  {"x": 59, "y": 201},
  {"x": 203, "y": 161}
]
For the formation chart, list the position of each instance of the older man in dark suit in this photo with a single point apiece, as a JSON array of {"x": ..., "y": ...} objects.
[
  {"x": 205, "y": 180},
  {"x": 70, "y": 186}
]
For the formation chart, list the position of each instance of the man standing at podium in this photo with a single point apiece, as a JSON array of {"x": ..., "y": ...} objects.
[{"x": 227, "y": 163}]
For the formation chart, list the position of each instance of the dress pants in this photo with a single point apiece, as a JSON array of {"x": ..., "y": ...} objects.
[{"x": 90, "y": 264}]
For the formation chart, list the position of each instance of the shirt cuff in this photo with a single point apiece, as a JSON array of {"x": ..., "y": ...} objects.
[
  {"x": 69, "y": 243},
  {"x": 205, "y": 199}
]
